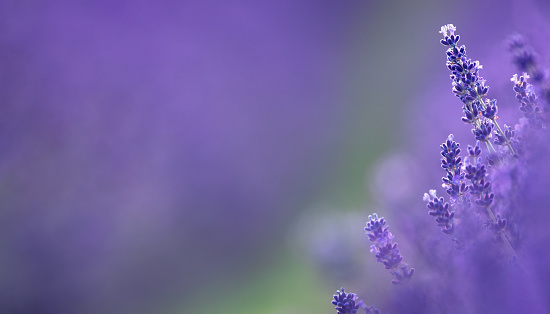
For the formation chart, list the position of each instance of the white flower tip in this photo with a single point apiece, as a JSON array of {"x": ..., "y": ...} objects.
[
  {"x": 450, "y": 28},
  {"x": 426, "y": 197}
]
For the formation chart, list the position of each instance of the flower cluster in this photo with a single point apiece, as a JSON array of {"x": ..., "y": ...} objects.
[
  {"x": 467, "y": 183},
  {"x": 468, "y": 85},
  {"x": 386, "y": 251},
  {"x": 477, "y": 173},
  {"x": 452, "y": 163},
  {"x": 527, "y": 61},
  {"x": 346, "y": 303},
  {"x": 471, "y": 89},
  {"x": 440, "y": 209},
  {"x": 525, "y": 94},
  {"x": 496, "y": 210}
]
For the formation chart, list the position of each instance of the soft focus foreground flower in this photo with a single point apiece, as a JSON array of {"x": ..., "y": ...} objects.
[{"x": 346, "y": 303}]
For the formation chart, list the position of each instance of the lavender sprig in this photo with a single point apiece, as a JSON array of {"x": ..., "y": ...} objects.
[
  {"x": 509, "y": 136},
  {"x": 478, "y": 186},
  {"x": 452, "y": 163},
  {"x": 440, "y": 209},
  {"x": 386, "y": 251},
  {"x": 527, "y": 98},
  {"x": 527, "y": 61},
  {"x": 453, "y": 182},
  {"x": 478, "y": 190},
  {"x": 471, "y": 89},
  {"x": 346, "y": 303}
]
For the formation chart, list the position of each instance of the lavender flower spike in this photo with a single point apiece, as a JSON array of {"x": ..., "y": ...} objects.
[
  {"x": 452, "y": 163},
  {"x": 387, "y": 252},
  {"x": 440, "y": 209},
  {"x": 527, "y": 60},
  {"x": 470, "y": 88},
  {"x": 525, "y": 94},
  {"x": 346, "y": 303}
]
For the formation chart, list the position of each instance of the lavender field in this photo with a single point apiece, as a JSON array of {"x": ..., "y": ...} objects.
[{"x": 226, "y": 157}]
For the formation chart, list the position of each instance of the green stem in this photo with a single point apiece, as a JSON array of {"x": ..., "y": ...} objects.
[{"x": 502, "y": 235}]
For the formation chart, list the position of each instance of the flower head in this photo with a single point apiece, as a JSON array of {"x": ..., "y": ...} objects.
[
  {"x": 386, "y": 251},
  {"x": 346, "y": 303},
  {"x": 449, "y": 28}
]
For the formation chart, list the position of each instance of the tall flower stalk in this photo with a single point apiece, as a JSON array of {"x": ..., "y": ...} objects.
[
  {"x": 489, "y": 202},
  {"x": 471, "y": 89},
  {"x": 386, "y": 251}
]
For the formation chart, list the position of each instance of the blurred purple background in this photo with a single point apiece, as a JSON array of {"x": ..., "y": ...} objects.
[{"x": 148, "y": 151}]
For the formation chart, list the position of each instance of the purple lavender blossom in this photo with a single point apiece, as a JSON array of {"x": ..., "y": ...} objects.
[
  {"x": 455, "y": 185},
  {"x": 478, "y": 191},
  {"x": 497, "y": 212},
  {"x": 525, "y": 94},
  {"x": 346, "y": 303},
  {"x": 527, "y": 61},
  {"x": 470, "y": 88},
  {"x": 476, "y": 173},
  {"x": 508, "y": 136},
  {"x": 498, "y": 185},
  {"x": 452, "y": 163},
  {"x": 440, "y": 209},
  {"x": 386, "y": 251}
]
